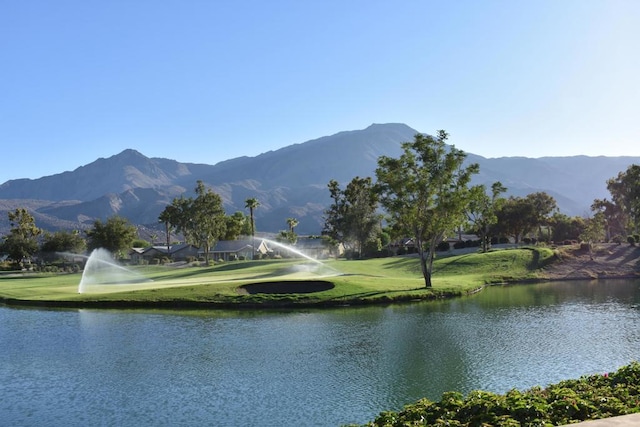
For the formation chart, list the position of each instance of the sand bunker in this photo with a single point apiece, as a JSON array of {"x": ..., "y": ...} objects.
[{"x": 292, "y": 287}]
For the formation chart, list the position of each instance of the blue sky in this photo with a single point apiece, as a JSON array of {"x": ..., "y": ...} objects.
[{"x": 204, "y": 81}]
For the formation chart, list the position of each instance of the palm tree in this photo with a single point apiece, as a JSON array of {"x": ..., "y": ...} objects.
[
  {"x": 252, "y": 204},
  {"x": 292, "y": 222}
]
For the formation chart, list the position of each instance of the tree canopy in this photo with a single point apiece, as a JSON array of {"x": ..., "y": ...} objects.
[
  {"x": 201, "y": 220},
  {"x": 425, "y": 192},
  {"x": 21, "y": 243},
  {"x": 518, "y": 216},
  {"x": 625, "y": 194},
  {"x": 352, "y": 219},
  {"x": 482, "y": 208},
  {"x": 114, "y": 235}
]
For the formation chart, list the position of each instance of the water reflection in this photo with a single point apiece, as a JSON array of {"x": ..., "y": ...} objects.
[{"x": 325, "y": 367}]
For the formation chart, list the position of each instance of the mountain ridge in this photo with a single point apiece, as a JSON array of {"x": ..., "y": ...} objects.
[{"x": 289, "y": 182}]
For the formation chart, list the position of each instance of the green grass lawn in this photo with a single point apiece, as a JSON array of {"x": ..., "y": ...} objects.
[{"x": 354, "y": 282}]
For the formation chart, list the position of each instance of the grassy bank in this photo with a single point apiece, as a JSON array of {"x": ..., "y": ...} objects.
[
  {"x": 349, "y": 282},
  {"x": 587, "y": 398}
]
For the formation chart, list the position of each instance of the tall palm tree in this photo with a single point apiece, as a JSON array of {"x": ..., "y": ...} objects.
[
  {"x": 252, "y": 204},
  {"x": 293, "y": 223}
]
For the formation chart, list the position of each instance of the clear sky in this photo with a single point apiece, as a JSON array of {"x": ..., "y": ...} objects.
[{"x": 208, "y": 80}]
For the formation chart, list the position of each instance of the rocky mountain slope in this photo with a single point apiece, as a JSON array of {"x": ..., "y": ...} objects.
[{"x": 289, "y": 182}]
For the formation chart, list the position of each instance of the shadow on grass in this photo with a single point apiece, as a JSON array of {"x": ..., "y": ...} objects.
[
  {"x": 288, "y": 287},
  {"x": 458, "y": 262}
]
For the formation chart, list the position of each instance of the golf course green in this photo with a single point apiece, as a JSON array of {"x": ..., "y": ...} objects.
[{"x": 281, "y": 283}]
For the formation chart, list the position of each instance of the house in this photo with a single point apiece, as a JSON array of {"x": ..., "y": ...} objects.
[
  {"x": 179, "y": 252},
  {"x": 228, "y": 250}
]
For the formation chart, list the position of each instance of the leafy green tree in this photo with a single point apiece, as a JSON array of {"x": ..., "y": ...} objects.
[
  {"x": 335, "y": 217},
  {"x": 518, "y": 216},
  {"x": 481, "y": 211},
  {"x": 594, "y": 231},
  {"x": 287, "y": 236},
  {"x": 615, "y": 218},
  {"x": 625, "y": 193},
  {"x": 237, "y": 225},
  {"x": 202, "y": 220},
  {"x": 425, "y": 191},
  {"x": 352, "y": 219},
  {"x": 208, "y": 218},
  {"x": 115, "y": 235},
  {"x": 63, "y": 241},
  {"x": 141, "y": 243},
  {"x": 542, "y": 206},
  {"x": 565, "y": 227},
  {"x": 514, "y": 218},
  {"x": 22, "y": 241}
]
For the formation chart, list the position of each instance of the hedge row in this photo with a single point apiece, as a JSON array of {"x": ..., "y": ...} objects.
[{"x": 587, "y": 398}]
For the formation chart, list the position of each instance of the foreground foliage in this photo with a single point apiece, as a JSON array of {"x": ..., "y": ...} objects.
[{"x": 590, "y": 397}]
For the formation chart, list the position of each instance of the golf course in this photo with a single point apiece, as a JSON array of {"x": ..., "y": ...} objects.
[{"x": 280, "y": 283}]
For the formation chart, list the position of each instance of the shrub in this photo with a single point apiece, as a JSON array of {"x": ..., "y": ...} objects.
[
  {"x": 458, "y": 245},
  {"x": 443, "y": 246},
  {"x": 567, "y": 402},
  {"x": 472, "y": 243},
  {"x": 385, "y": 253},
  {"x": 631, "y": 240}
]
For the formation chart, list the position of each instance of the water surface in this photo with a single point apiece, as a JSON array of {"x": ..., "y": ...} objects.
[{"x": 305, "y": 368}]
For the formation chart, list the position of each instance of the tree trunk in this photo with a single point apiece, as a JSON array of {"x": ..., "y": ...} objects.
[
  {"x": 207, "y": 247},
  {"x": 166, "y": 225},
  {"x": 426, "y": 271}
]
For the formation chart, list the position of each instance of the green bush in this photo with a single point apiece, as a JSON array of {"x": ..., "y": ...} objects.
[
  {"x": 571, "y": 401},
  {"x": 443, "y": 246}
]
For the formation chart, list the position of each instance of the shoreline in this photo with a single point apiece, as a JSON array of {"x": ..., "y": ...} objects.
[{"x": 606, "y": 261}]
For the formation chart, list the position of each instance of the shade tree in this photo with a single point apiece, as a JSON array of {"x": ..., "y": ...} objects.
[
  {"x": 425, "y": 192},
  {"x": 201, "y": 220},
  {"x": 22, "y": 241},
  {"x": 353, "y": 218},
  {"x": 623, "y": 210},
  {"x": 481, "y": 211},
  {"x": 520, "y": 216},
  {"x": 63, "y": 241},
  {"x": 115, "y": 235}
]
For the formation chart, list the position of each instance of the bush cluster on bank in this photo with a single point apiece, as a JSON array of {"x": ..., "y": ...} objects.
[{"x": 590, "y": 397}]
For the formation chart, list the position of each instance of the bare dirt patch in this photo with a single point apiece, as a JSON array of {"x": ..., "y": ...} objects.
[{"x": 606, "y": 260}]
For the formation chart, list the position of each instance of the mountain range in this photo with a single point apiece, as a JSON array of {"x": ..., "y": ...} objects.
[{"x": 288, "y": 182}]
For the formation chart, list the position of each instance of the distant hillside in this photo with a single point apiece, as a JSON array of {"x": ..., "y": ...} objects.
[{"x": 289, "y": 182}]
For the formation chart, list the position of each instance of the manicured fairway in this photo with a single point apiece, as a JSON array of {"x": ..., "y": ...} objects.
[{"x": 382, "y": 280}]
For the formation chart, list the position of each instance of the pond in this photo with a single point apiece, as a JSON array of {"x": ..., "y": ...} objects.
[{"x": 305, "y": 368}]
